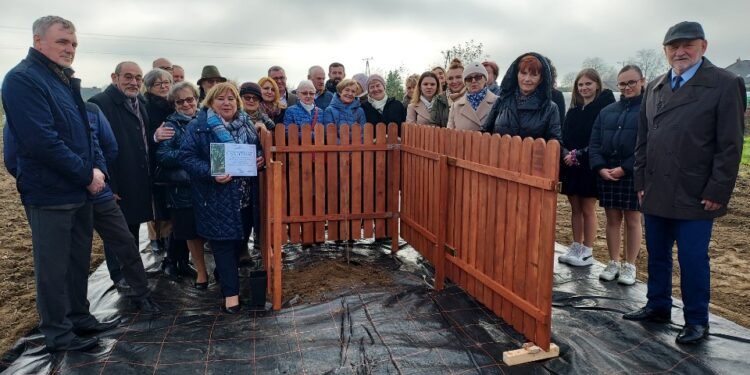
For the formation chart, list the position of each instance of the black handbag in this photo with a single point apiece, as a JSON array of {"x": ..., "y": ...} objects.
[{"x": 171, "y": 177}]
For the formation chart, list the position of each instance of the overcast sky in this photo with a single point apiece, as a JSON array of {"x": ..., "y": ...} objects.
[{"x": 244, "y": 38}]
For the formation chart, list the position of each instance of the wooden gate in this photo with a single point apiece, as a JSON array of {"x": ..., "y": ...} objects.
[
  {"x": 328, "y": 183},
  {"x": 482, "y": 209}
]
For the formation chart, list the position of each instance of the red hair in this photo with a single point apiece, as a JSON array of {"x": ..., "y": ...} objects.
[{"x": 530, "y": 64}]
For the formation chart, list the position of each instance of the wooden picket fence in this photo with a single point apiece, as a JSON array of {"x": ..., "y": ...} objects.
[
  {"x": 328, "y": 183},
  {"x": 480, "y": 208}
]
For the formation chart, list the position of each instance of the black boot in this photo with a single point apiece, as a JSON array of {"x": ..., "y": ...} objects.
[{"x": 258, "y": 285}]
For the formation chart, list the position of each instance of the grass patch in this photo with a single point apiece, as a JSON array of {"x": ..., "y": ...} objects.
[{"x": 746, "y": 152}]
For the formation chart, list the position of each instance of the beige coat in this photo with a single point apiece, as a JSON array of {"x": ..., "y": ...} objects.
[
  {"x": 463, "y": 117},
  {"x": 418, "y": 114}
]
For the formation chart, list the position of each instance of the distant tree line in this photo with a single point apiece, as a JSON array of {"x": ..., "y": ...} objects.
[{"x": 651, "y": 61}]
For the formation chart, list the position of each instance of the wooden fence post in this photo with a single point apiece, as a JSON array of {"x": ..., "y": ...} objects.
[
  {"x": 277, "y": 227},
  {"x": 441, "y": 200}
]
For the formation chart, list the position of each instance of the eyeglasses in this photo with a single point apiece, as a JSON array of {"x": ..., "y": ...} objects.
[
  {"x": 251, "y": 98},
  {"x": 162, "y": 84},
  {"x": 474, "y": 77},
  {"x": 167, "y": 68},
  {"x": 306, "y": 93},
  {"x": 129, "y": 77},
  {"x": 188, "y": 100},
  {"x": 630, "y": 84}
]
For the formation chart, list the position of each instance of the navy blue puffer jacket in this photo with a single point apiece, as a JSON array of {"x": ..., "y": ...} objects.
[
  {"x": 217, "y": 206},
  {"x": 614, "y": 134}
]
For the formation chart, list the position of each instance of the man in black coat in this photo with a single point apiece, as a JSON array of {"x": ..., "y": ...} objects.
[
  {"x": 125, "y": 110},
  {"x": 686, "y": 161}
]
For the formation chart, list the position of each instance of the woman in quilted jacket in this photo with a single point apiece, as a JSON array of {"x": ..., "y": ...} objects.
[{"x": 223, "y": 204}]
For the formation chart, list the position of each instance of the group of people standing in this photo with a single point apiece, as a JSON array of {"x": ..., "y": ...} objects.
[{"x": 140, "y": 152}]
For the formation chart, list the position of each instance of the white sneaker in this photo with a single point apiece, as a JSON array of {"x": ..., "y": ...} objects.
[
  {"x": 584, "y": 257},
  {"x": 572, "y": 250},
  {"x": 627, "y": 274},
  {"x": 611, "y": 271}
]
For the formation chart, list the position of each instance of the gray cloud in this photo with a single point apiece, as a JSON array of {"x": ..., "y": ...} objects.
[{"x": 248, "y": 36}]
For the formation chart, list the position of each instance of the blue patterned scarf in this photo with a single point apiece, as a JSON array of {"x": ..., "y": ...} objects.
[
  {"x": 236, "y": 131},
  {"x": 476, "y": 99}
]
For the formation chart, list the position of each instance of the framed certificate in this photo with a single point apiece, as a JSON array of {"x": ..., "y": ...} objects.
[{"x": 233, "y": 159}]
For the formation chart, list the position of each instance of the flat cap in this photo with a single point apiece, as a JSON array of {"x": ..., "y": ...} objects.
[{"x": 684, "y": 30}]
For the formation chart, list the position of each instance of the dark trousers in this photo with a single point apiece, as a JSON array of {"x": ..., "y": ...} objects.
[
  {"x": 226, "y": 256},
  {"x": 692, "y": 237},
  {"x": 61, "y": 238},
  {"x": 120, "y": 250}
]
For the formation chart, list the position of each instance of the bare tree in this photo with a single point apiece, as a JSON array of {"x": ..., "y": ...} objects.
[
  {"x": 466, "y": 52},
  {"x": 651, "y": 61},
  {"x": 566, "y": 83}
]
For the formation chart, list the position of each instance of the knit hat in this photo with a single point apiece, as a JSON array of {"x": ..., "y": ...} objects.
[
  {"x": 361, "y": 79},
  {"x": 250, "y": 88},
  {"x": 474, "y": 68},
  {"x": 373, "y": 78},
  {"x": 210, "y": 71}
]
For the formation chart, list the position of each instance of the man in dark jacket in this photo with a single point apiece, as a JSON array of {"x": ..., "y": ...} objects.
[
  {"x": 122, "y": 257},
  {"x": 323, "y": 97},
  {"x": 336, "y": 74},
  {"x": 125, "y": 110},
  {"x": 57, "y": 169},
  {"x": 687, "y": 158},
  {"x": 277, "y": 74}
]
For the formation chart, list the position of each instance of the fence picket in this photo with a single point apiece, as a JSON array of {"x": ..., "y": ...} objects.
[
  {"x": 295, "y": 185},
  {"x": 308, "y": 236},
  {"x": 319, "y": 166},
  {"x": 368, "y": 188},
  {"x": 333, "y": 185},
  {"x": 380, "y": 179},
  {"x": 356, "y": 197}
]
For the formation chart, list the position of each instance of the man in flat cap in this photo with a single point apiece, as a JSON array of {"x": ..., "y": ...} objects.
[{"x": 687, "y": 157}]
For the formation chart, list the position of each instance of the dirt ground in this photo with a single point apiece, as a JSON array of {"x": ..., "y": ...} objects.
[
  {"x": 729, "y": 253},
  {"x": 318, "y": 282}
]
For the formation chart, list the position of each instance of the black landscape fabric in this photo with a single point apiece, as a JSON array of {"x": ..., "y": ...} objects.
[{"x": 406, "y": 329}]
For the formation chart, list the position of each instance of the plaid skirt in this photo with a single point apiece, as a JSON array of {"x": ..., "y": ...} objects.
[{"x": 618, "y": 194}]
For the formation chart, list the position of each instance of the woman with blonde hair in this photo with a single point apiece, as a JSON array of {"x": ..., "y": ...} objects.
[
  {"x": 271, "y": 104},
  {"x": 455, "y": 89},
  {"x": 225, "y": 201}
]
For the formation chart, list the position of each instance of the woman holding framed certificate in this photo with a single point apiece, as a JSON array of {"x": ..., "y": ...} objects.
[{"x": 222, "y": 203}]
